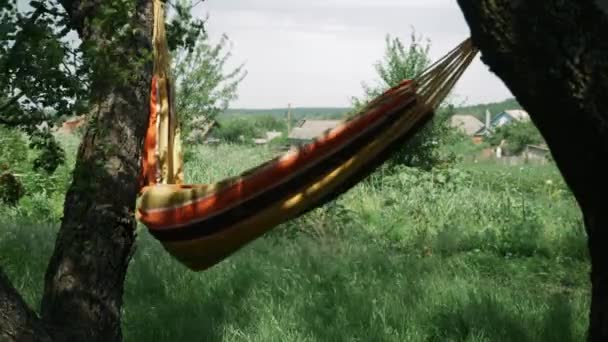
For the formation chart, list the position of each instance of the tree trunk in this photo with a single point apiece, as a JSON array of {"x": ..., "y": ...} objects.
[
  {"x": 553, "y": 56},
  {"x": 17, "y": 321},
  {"x": 83, "y": 289},
  {"x": 84, "y": 280}
]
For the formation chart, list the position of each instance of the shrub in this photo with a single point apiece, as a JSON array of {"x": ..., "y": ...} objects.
[
  {"x": 11, "y": 189},
  {"x": 237, "y": 130},
  {"x": 517, "y": 135},
  {"x": 244, "y": 130},
  {"x": 13, "y": 149},
  {"x": 423, "y": 150}
]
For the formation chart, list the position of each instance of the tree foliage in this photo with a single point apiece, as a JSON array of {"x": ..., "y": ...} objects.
[
  {"x": 46, "y": 71},
  {"x": 183, "y": 29},
  {"x": 41, "y": 74},
  {"x": 244, "y": 129},
  {"x": 399, "y": 63},
  {"x": 204, "y": 87},
  {"x": 402, "y": 62},
  {"x": 516, "y": 135}
]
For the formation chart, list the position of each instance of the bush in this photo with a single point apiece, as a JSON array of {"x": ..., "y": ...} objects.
[
  {"x": 516, "y": 135},
  {"x": 13, "y": 157},
  {"x": 11, "y": 189},
  {"x": 270, "y": 123},
  {"x": 243, "y": 130},
  {"x": 13, "y": 149},
  {"x": 423, "y": 150},
  {"x": 238, "y": 130}
]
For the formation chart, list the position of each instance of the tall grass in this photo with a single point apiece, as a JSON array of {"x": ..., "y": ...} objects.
[{"x": 471, "y": 253}]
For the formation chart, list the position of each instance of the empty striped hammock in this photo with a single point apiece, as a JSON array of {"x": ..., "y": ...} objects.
[{"x": 201, "y": 225}]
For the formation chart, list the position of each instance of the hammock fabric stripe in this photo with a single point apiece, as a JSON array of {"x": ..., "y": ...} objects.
[
  {"x": 202, "y": 224},
  {"x": 275, "y": 190},
  {"x": 290, "y": 169},
  {"x": 208, "y": 241}
]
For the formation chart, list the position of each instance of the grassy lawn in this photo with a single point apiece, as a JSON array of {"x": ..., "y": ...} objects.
[{"x": 477, "y": 252}]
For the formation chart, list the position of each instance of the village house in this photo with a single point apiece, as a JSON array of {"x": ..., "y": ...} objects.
[
  {"x": 270, "y": 135},
  {"x": 307, "y": 130},
  {"x": 503, "y": 118},
  {"x": 71, "y": 125},
  {"x": 478, "y": 137},
  {"x": 537, "y": 153},
  {"x": 467, "y": 124},
  {"x": 509, "y": 116}
]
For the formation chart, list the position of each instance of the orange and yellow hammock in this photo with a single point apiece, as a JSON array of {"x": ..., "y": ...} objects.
[{"x": 201, "y": 225}]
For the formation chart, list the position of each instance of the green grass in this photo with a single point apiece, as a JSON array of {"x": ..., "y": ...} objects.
[
  {"x": 347, "y": 289},
  {"x": 478, "y": 252}
]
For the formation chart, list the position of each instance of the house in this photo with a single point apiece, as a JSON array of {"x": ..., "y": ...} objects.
[
  {"x": 478, "y": 136},
  {"x": 307, "y": 130},
  {"x": 537, "y": 153},
  {"x": 71, "y": 125},
  {"x": 201, "y": 131},
  {"x": 467, "y": 124},
  {"x": 501, "y": 119},
  {"x": 509, "y": 116},
  {"x": 271, "y": 135}
]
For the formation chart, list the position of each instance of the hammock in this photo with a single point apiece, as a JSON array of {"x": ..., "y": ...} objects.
[{"x": 202, "y": 224}]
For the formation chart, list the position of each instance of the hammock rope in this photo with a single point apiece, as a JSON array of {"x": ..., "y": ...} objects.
[{"x": 202, "y": 224}]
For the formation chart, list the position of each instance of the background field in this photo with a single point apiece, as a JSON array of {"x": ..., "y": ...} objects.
[{"x": 473, "y": 252}]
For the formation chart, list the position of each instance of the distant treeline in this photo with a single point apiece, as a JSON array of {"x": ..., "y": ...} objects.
[
  {"x": 296, "y": 113},
  {"x": 333, "y": 113}
]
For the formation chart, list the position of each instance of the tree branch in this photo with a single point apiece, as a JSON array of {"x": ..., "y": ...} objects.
[
  {"x": 17, "y": 321},
  {"x": 11, "y": 102},
  {"x": 5, "y": 122},
  {"x": 197, "y": 3},
  {"x": 79, "y": 10},
  {"x": 21, "y": 35}
]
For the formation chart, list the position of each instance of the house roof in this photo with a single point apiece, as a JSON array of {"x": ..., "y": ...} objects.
[
  {"x": 466, "y": 123},
  {"x": 310, "y": 129},
  {"x": 518, "y": 114},
  {"x": 541, "y": 147},
  {"x": 270, "y": 135}
]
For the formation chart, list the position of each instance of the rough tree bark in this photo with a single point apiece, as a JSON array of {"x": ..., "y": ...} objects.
[
  {"x": 84, "y": 281},
  {"x": 17, "y": 321},
  {"x": 553, "y": 56}
]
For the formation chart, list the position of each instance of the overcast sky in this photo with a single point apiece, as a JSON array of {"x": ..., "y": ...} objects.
[{"x": 317, "y": 52}]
